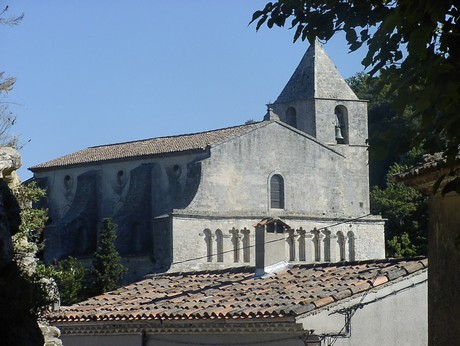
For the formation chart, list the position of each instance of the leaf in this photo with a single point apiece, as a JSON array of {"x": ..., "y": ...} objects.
[
  {"x": 256, "y": 15},
  {"x": 351, "y": 36},
  {"x": 261, "y": 22}
]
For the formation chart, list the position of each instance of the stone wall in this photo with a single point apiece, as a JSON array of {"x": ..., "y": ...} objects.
[
  {"x": 318, "y": 180},
  {"x": 199, "y": 240}
]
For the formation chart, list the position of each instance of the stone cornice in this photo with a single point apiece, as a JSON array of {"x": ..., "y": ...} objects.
[
  {"x": 157, "y": 327},
  {"x": 288, "y": 216}
]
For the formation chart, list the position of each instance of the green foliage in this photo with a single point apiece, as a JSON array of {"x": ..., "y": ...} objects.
[
  {"x": 43, "y": 289},
  {"x": 425, "y": 79},
  {"x": 107, "y": 271},
  {"x": 406, "y": 212},
  {"x": 70, "y": 278},
  {"x": 33, "y": 219}
]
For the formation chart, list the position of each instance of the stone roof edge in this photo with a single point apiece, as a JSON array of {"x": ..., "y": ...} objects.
[
  {"x": 307, "y": 136},
  {"x": 259, "y": 124},
  {"x": 279, "y": 122},
  {"x": 325, "y": 98},
  {"x": 38, "y": 168},
  {"x": 165, "y": 327},
  {"x": 261, "y": 215}
]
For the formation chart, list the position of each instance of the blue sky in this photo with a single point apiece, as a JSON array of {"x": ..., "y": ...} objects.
[{"x": 98, "y": 72}]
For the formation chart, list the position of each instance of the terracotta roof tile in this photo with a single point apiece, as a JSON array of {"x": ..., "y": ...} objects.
[
  {"x": 236, "y": 293},
  {"x": 148, "y": 147}
]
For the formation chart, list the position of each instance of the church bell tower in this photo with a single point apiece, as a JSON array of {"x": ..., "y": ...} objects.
[{"x": 318, "y": 101}]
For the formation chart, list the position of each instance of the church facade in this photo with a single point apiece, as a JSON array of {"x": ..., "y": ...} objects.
[{"x": 190, "y": 202}]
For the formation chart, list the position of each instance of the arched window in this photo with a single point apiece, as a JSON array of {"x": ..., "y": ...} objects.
[
  {"x": 291, "y": 245},
  {"x": 291, "y": 117},
  {"x": 302, "y": 252},
  {"x": 208, "y": 240},
  {"x": 341, "y": 125},
  {"x": 351, "y": 246},
  {"x": 327, "y": 246},
  {"x": 246, "y": 245},
  {"x": 341, "y": 244},
  {"x": 277, "y": 192},
  {"x": 316, "y": 245},
  {"x": 236, "y": 245},
  {"x": 220, "y": 245}
]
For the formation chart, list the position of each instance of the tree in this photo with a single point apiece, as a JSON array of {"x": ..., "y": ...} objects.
[
  {"x": 27, "y": 244},
  {"x": 385, "y": 144},
  {"x": 403, "y": 207},
  {"x": 107, "y": 271},
  {"x": 7, "y": 118},
  {"x": 70, "y": 278},
  {"x": 406, "y": 212},
  {"x": 414, "y": 45}
]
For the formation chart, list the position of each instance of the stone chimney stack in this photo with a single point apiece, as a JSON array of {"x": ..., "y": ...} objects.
[{"x": 270, "y": 246}]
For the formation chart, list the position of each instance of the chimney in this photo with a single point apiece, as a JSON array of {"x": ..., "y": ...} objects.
[{"x": 270, "y": 246}]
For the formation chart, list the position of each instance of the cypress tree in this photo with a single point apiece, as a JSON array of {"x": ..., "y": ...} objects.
[{"x": 107, "y": 270}]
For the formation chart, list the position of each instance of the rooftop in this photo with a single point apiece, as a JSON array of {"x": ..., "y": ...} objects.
[
  {"x": 237, "y": 294},
  {"x": 147, "y": 147}
]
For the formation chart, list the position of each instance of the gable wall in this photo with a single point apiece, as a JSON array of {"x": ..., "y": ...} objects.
[{"x": 236, "y": 176}]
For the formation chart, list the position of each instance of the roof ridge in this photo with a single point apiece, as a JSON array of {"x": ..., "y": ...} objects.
[
  {"x": 175, "y": 136},
  {"x": 148, "y": 147}
]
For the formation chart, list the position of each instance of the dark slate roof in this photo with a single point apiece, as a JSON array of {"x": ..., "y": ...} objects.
[
  {"x": 237, "y": 294},
  {"x": 147, "y": 147}
]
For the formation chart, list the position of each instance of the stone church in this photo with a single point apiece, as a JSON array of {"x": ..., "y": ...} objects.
[{"x": 190, "y": 202}]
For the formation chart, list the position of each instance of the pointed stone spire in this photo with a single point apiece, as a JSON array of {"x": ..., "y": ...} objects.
[{"x": 316, "y": 77}]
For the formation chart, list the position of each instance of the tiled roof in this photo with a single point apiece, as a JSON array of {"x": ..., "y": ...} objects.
[
  {"x": 424, "y": 175},
  {"x": 148, "y": 147},
  {"x": 430, "y": 163},
  {"x": 237, "y": 294}
]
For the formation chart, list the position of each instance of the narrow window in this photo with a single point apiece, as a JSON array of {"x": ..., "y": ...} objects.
[
  {"x": 208, "y": 240},
  {"x": 291, "y": 246},
  {"x": 236, "y": 245},
  {"x": 246, "y": 246},
  {"x": 351, "y": 246},
  {"x": 220, "y": 246},
  {"x": 341, "y": 125},
  {"x": 302, "y": 252},
  {"x": 291, "y": 117},
  {"x": 277, "y": 192},
  {"x": 341, "y": 243},
  {"x": 327, "y": 246},
  {"x": 316, "y": 245}
]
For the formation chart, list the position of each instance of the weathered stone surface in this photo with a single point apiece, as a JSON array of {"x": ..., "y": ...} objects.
[{"x": 10, "y": 162}]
